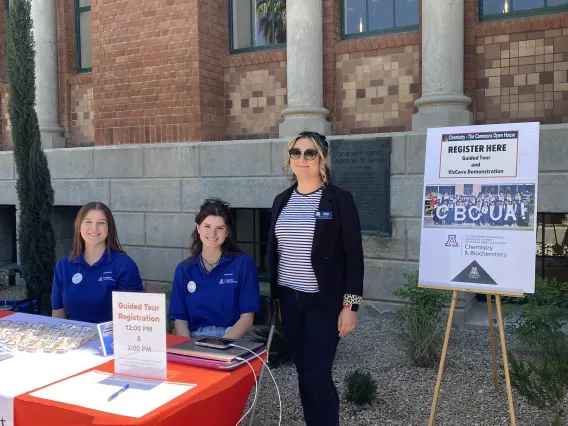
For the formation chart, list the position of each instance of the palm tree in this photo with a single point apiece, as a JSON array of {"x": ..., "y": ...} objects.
[{"x": 271, "y": 12}]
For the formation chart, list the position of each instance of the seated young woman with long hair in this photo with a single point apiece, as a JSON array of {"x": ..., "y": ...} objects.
[
  {"x": 83, "y": 282},
  {"x": 215, "y": 291}
]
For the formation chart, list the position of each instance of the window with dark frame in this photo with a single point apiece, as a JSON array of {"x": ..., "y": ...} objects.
[
  {"x": 490, "y": 189},
  {"x": 552, "y": 246},
  {"x": 446, "y": 190},
  {"x": 256, "y": 24},
  {"x": 500, "y": 9},
  {"x": 251, "y": 234},
  {"x": 361, "y": 18},
  {"x": 84, "y": 35}
]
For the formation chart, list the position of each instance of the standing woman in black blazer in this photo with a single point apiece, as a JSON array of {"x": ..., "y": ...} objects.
[{"x": 316, "y": 264}]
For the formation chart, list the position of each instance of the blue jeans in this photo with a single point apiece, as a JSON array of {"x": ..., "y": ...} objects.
[
  {"x": 312, "y": 335},
  {"x": 210, "y": 330}
]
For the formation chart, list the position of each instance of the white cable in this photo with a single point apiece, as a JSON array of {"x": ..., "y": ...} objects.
[
  {"x": 273, "y": 379},
  {"x": 255, "y": 389}
]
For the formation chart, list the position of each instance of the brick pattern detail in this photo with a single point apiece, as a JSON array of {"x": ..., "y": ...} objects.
[
  {"x": 331, "y": 36},
  {"x": 161, "y": 73},
  {"x": 376, "y": 89},
  {"x": 523, "y": 77},
  {"x": 157, "y": 74},
  {"x": 521, "y": 70},
  {"x": 377, "y": 43},
  {"x": 81, "y": 130},
  {"x": 254, "y": 58},
  {"x": 67, "y": 62},
  {"x": 6, "y": 133},
  {"x": 255, "y": 96},
  {"x": 213, "y": 41},
  {"x": 471, "y": 10}
]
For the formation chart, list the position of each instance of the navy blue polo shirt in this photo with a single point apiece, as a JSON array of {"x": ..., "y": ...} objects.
[
  {"x": 218, "y": 298},
  {"x": 85, "y": 292}
]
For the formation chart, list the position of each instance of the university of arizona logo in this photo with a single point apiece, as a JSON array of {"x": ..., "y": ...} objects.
[
  {"x": 473, "y": 273},
  {"x": 452, "y": 242}
]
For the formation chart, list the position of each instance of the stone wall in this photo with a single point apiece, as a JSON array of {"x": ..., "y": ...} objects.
[
  {"x": 63, "y": 218},
  {"x": 155, "y": 190}
]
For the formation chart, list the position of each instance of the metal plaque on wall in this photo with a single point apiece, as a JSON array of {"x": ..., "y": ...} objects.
[{"x": 362, "y": 167}]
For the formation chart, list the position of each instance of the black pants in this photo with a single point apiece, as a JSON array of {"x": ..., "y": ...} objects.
[{"x": 311, "y": 332}]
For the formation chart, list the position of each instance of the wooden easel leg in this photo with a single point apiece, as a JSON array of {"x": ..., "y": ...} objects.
[
  {"x": 505, "y": 361},
  {"x": 443, "y": 358},
  {"x": 493, "y": 347}
]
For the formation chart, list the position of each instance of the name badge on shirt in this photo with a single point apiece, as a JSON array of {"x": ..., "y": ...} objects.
[{"x": 323, "y": 215}]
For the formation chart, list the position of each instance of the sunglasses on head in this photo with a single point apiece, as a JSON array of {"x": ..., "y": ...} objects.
[
  {"x": 217, "y": 201},
  {"x": 309, "y": 154},
  {"x": 316, "y": 136}
]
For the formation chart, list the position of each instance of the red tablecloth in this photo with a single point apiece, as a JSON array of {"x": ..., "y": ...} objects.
[{"x": 217, "y": 400}]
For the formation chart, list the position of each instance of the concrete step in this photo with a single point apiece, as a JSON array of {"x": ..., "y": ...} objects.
[{"x": 478, "y": 316}]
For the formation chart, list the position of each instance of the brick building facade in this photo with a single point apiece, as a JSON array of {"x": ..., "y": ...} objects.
[{"x": 162, "y": 71}]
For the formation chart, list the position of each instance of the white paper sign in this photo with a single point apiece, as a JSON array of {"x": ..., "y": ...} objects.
[
  {"x": 479, "y": 154},
  {"x": 92, "y": 390},
  {"x": 479, "y": 208},
  {"x": 139, "y": 322}
]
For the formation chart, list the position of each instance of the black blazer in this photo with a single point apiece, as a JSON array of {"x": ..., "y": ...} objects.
[{"x": 337, "y": 248}]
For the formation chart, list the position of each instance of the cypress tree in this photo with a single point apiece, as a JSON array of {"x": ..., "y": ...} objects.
[{"x": 35, "y": 194}]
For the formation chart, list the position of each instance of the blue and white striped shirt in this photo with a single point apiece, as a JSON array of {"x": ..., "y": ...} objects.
[{"x": 295, "y": 233}]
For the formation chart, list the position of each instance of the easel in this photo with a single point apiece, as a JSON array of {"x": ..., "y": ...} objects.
[{"x": 493, "y": 347}]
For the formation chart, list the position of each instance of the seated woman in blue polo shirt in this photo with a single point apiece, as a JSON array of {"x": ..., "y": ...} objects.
[
  {"x": 215, "y": 291},
  {"x": 83, "y": 282}
]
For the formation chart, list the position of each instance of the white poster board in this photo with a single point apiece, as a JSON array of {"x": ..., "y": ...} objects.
[
  {"x": 139, "y": 329},
  {"x": 479, "y": 208}
]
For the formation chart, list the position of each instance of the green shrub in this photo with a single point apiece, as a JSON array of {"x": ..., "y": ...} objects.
[
  {"x": 5, "y": 274},
  {"x": 544, "y": 384},
  {"x": 541, "y": 318},
  {"x": 421, "y": 321},
  {"x": 361, "y": 387},
  {"x": 543, "y": 378}
]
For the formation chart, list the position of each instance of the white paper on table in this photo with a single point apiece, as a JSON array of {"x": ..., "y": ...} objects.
[{"x": 92, "y": 390}]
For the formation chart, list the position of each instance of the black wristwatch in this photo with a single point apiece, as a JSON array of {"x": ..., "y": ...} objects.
[{"x": 353, "y": 307}]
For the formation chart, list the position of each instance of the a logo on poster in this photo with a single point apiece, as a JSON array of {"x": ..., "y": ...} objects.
[
  {"x": 452, "y": 242},
  {"x": 473, "y": 273}
]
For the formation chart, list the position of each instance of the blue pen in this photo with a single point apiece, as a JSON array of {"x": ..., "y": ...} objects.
[{"x": 114, "y": 395}]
